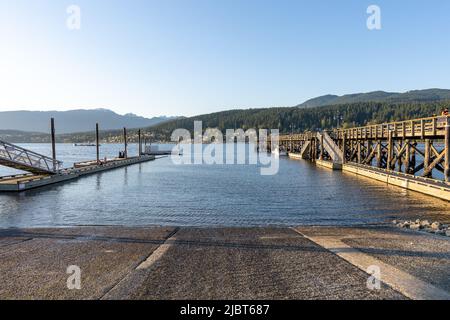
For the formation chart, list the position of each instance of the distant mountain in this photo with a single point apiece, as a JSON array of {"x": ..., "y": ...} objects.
[
  {"x": 73, "y": 121},
  {"x": 428, "y": 95}
]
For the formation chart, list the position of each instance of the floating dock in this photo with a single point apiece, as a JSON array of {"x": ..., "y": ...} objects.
[
  {"x": 431, "y": 187},
  {"x": 23, "y": 182}
]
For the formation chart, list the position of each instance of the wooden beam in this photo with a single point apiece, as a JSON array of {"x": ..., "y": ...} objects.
[
  {"x": 447, "y": 153},
  {"x": 429, "y": 169},
  {"x": 125, "y": 142},
  {"x": 427, "y": 156},
  {"x": 97, "y": 143},
  {"x": 390, "y": 150},
  {"x": 52, "y": 129}
]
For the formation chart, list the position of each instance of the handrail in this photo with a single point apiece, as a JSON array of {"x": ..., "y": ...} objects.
[{"x": 23, "y": 159}]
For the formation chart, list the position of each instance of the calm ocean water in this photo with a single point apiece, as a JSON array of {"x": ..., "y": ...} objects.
[{"x": 161, "y": 193}]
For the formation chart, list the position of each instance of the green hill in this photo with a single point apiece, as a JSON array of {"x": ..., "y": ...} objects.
[{"x": 428, "y": 95}]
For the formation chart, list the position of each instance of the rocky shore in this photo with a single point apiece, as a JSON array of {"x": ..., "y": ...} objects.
[{"x": 424, "y": 225}]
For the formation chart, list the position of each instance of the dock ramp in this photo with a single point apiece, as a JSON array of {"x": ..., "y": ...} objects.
[{"x": 23, "y": 159}]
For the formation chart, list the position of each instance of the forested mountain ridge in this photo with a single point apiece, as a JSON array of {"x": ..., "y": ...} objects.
[
  {"x": 427, "y": 95},
  {"x": 301, "y": 119}
]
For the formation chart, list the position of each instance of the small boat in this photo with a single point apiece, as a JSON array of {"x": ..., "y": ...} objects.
[
  {"x": 85, "y": 145},
  {"x": 281, "y": 153}
]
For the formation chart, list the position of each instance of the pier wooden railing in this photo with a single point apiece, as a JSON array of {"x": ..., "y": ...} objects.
[
  {"x": 433, "y": 127},
  {"x": 415, "y": 147}
]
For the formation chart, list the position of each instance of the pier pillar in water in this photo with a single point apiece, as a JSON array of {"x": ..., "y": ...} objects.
[
  {"x": 447, "y": 152},
  {"x": 344, "y": 147},
  {"x": 390, "y": 151},
  {"x": 97, "y": 143},
  {"x": 322, "y": 149},
  {"x": 139, "y": 142},
  {"x": 427, "y": 157},
  {"x": 52, "y": 129},
  {"x": 125, "y": 142}
]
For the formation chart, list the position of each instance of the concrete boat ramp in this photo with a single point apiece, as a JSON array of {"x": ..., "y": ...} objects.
[{"x": 223, "y": 263}]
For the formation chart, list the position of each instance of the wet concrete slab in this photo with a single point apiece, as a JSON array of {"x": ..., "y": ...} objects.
[
  {"x": 208, "y": 263},
  {"x": 247, "y": 263},
  {"x": 422, "y": 255},
  {"x": 37, "y": 268}
]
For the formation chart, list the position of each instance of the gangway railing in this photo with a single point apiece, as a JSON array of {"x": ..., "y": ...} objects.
[{"x": 23, "y": 159}]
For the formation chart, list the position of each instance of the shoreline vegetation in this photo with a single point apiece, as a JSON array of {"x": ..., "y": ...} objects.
[{"x": 286, "y": 119}]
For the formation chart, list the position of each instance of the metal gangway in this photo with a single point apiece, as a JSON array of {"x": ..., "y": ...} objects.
[{"x": 23, "y": 159}]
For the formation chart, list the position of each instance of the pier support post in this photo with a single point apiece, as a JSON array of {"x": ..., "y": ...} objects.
[
  {"x": 139, "y": 141},
  {"x": 407, "y": 163},
  {"x": 379, "y": 154},
  {"x": 358, "y": 148},
  {"x": 413, "y": 158},
  {"x": 400, "y": 157},
  {"x": 344, "y": 147},
  {"x": 427, "y": 157},
  {"x": 390, "y": 150},
  {"x": 97, "y": 143},
  {"x": 322, "y": 149},
  {"x": 447, "y": 152},
  {"x": 52, "y": 128},
  {"x": 125, "y": 142}
]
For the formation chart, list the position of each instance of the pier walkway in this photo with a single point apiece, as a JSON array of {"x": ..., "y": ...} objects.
[
  {"x": 223, "y": 263},
  {"x": 412, "y": 154}
]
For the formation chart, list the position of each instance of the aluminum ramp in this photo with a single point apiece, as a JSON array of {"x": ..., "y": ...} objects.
[{"x": 20, "y": 158}]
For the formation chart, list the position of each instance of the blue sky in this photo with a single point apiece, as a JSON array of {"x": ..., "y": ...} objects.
[{"x": 187, "y": 57}]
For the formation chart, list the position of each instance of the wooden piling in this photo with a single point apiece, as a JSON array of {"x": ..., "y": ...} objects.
[
  {"x": 379, "y": 154},
  {"x": 125, "y": 142},
  {"x": 52, "y": 129},
  {"x": 358, "y": 148},
  {"x": 427, "y": 155},
  {"x": 344, "y": 147},
  {"x": 322, "y": 149},
  {"x": 406, "y": 162},
  {"x": 390, "y": 150},
  {"x": 447, "y": 153},
  {"x": 97, "y": 143},
  {"x": 139, "y": 141}
]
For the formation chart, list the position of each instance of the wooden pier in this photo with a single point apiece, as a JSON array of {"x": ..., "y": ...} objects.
[{"x": 412, "y": 154}]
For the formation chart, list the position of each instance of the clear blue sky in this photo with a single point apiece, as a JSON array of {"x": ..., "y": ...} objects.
[{"x": 183, "y": 57}]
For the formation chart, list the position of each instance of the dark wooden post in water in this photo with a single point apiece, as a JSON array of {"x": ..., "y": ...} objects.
[
  {"x": 447, "y": 152},
  {"x": 52, "y": 128},
  {"x": 390, "y": 150},
  {"x": 407, "y": 162},
  {"x": 427, "y": 156},
  {"x": 321, "y": 147},
  {"x": 97, "y": 142},
  {"x": 139, "y": 141},
  {"x": 125, "y": 142},
  {"x": 344, "y": 147},
  {"x": 379, "y": 154}
]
